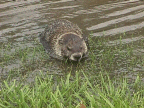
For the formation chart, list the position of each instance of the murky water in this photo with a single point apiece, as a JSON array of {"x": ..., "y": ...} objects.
[{"x": 21, "y": 21}]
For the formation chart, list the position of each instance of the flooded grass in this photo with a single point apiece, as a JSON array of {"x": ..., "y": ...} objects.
[{"x": 98, "y": 82}]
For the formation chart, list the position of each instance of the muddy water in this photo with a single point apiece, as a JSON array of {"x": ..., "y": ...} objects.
[{"x": 23, "y": 20}]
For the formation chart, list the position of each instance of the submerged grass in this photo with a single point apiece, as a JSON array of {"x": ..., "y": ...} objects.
[
  {"x": 94, "y": 83},
  {"x": 70, "y": 93}
]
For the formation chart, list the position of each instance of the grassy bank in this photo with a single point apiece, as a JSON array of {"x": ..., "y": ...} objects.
[
  {"x": 70, "y": 93},
  {"x": 100, "y": 82}
]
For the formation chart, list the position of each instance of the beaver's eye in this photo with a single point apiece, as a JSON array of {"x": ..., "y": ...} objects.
[
  {"x": 83, "y": 55},
  {"x": 69, "y": 48}
]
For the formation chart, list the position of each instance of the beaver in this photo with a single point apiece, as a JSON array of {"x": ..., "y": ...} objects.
[{"x": 65, "y": 39}]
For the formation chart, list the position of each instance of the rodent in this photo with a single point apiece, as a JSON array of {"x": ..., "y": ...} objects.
[{"x": 65, "y": 39}]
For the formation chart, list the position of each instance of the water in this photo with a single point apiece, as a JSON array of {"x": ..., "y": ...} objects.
[{"x": 21, "y": 21}]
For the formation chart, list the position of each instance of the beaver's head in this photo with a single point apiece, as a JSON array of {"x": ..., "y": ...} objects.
[{"x": 72, "y": 47}]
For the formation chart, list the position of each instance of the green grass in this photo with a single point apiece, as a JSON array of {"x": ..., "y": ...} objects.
[
  {"x": 93, "y": 82},
  {"x": 69, "y": 93}
]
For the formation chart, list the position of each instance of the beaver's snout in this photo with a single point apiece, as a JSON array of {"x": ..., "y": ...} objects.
[{"x": 76, "y": 57}]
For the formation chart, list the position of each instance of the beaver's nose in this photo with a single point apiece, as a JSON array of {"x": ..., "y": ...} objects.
[{"x": 77, "y": 57}]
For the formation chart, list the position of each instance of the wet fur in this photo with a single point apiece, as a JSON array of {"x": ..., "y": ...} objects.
[{"x": 65, "y": 40}]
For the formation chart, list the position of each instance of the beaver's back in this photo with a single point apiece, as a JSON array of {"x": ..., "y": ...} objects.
[{"x": 59, "y": 27}]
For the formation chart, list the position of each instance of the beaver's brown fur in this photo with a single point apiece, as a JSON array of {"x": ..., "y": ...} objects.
[{"x": 65, "y": 39}]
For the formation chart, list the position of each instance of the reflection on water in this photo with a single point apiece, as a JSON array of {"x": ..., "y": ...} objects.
[{"x": 21, "y": 21}]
